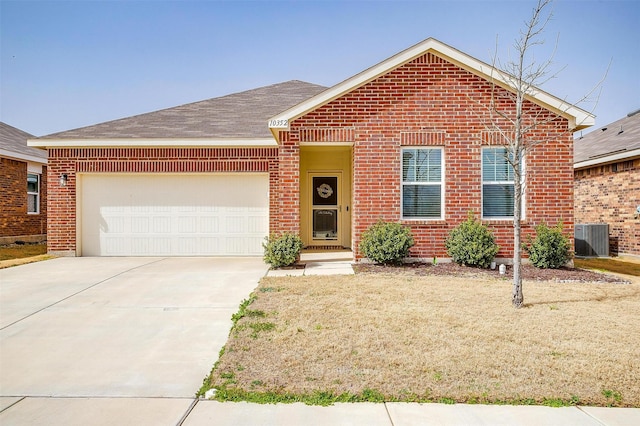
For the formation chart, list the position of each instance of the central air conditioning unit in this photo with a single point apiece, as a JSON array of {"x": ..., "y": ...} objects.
[{"x": 592, "y": 240}]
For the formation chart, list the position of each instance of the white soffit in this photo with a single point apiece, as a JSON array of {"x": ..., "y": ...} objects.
[
  {"x": 152, "y": 143},
  {"x": 578, "y": 118},
  {"x": 22, "y": 157}
]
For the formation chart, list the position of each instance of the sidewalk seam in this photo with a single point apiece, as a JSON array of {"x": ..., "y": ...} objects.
[
  {"x": 186, "y": 414},
  {"x": 9, "y": 406},
  {"x": 590, "y": 416},
  {"x": 388, "y": 413}
]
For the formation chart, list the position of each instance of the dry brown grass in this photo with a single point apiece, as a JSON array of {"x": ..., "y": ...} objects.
[
  {"x": 20, "y": 254},
  {"x": 24, "y": 260},
  {"x": 610, "y": 264},
  {"x": 20, "y": 251},
  {"x": 429, "y": 338}
]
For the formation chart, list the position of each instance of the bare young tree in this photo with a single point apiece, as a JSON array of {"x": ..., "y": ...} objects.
[{"x": 523, "y": 74}]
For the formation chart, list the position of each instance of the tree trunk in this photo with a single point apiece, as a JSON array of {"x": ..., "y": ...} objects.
[{"x": 517, "y": 297}]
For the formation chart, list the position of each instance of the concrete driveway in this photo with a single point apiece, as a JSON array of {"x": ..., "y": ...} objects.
[{"x": 117, "y": 327}]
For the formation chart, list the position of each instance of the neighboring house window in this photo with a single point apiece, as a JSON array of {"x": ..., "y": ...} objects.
[
  {"x": 422, "y": 190},
  {"x": 497, "y": 184},
  {"x": 33, "y": 193}
]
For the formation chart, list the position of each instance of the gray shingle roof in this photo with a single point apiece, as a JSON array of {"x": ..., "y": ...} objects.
[
  {"x": 13, "y": 140},
  {"x": 615, "y": 138},
  {"x": 238, "y": 115}
]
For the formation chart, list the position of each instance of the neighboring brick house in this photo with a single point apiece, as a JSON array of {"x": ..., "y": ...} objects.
[
  {"x": 607, "y": 182},
  {"x": 402, "y": 141},
  {"x": 23, "y": 188}
]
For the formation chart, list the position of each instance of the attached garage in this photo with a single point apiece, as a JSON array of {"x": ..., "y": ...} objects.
[
  {"x": 200, "y": 179},
  {"x": 213, "y": 214}
]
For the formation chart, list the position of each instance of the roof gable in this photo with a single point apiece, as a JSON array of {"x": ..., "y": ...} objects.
[
  {"x": 578, "y": 118},
  {"x": 615, "y": 141},
  {"x": 13, "y": 144}
]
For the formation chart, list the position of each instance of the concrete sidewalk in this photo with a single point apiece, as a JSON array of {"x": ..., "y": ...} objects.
[
  {"x": 190, "y": 412},
  {"x": 405, "y": 414}
]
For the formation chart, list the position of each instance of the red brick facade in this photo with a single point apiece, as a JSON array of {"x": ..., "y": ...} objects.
[
  {"x": 14, "y": 219},
  {"x": 430, "y": 101},
  {"x": 611, "y": 194},
  {"x": 426, "y": 102},
  {"x": 69, "y": 161}
]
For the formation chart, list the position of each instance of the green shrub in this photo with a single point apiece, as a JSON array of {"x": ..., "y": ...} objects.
[
  {"x": 386, "y": 242},
  {"x": 471, "y": 243},
  {"x": 549, "y": 249},
  {"x": 282, "y": 250}
]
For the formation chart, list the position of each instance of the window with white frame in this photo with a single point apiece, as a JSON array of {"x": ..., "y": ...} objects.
[
  {"x": 422, "y": 178},
  {"x": 33, "y": 193},
  {"x": 497, "y": 183}
]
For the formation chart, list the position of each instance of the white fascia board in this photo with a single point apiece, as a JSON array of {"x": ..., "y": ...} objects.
[
  {"x": 152, "y": 143},
  {"x": 578, "y": 118},
  {"x": 22, "y": 157},
  {"x": 607, "y": 159}
]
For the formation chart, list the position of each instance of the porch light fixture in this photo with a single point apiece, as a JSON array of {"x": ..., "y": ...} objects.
[{"x": 63, "y": 180}]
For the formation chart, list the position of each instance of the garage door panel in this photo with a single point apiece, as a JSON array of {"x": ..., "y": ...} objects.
[
  {"x": 209, "y": 225},
  {"x": 181, "y": 215}
]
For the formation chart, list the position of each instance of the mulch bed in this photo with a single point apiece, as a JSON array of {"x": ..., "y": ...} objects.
[{"x": 529, "y": 272}]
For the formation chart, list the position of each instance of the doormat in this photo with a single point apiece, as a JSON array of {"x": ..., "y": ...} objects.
[{"x": 325, "y": 248}]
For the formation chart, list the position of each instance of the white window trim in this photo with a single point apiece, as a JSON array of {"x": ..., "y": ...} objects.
[
  {"x": 502, "y": 182},
  {"x": 37, "y": 194},
  {"x": 441, "y": 184}
]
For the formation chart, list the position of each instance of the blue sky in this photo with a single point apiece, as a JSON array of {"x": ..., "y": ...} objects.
[{"x": 68, "y": 64}]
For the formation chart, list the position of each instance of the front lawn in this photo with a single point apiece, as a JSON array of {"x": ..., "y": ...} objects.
[
  {"x": 610, "y": 264},
  {"x": 20, "y": 251},
  {"x": 20, "y": 254},
  {"x": 410, "y": 337}
]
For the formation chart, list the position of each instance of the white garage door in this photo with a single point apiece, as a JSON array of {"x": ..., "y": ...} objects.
[{"x": 173, "y": 215}]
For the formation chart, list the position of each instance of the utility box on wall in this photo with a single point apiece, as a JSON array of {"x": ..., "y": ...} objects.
[{"x": 592, "y": 239}]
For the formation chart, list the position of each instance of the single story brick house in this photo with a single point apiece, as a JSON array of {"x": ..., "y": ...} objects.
[
  {"x": 23, "y": 188},
  {"x": 403, "y": 141},
  {"x": 607, "y": 182}
]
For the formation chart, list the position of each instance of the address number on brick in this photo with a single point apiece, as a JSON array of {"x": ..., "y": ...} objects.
[{"x": 279, "y": 123}]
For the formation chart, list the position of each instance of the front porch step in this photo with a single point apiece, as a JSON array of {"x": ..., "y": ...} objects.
[
  {"x": 315, "y": 255},
  {"x": 334, "y": 267}
]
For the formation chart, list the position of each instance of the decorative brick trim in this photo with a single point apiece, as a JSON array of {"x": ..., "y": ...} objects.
[
  {"x": 422, "y": 138},
  {"x": 493, "y": 137},
  {"x": 162, "y": 153},
  {"x": 428, "y": 58},
  {"x": 171, "y": 166},
  {"x": 327, "y": 134}
]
